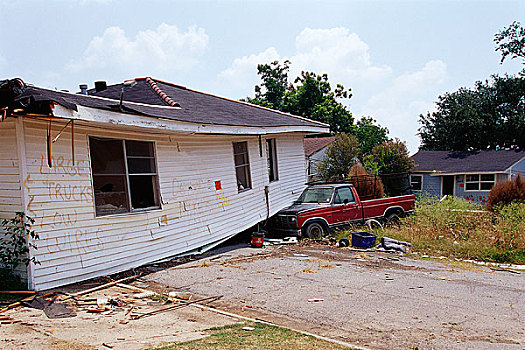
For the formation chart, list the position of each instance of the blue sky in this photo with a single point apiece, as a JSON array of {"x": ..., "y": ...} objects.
[{"x": 397, "y": 56}]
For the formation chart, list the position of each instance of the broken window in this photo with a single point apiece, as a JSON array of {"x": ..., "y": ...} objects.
[
  {"x": 242, "y": 165},
  {"x": 416, "y": 182},
  {"x": 271, "y": 158},
  {"x": 479, "y": 182},
  {"x": 124, "y": 175}
]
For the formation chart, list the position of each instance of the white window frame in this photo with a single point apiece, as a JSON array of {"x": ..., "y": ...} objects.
[
  {"x": 246, "y": 167},
  {"x": 414, "y": 175},
  {"x": 479, "y": 182},
  {"x": 155, "y": 175}
]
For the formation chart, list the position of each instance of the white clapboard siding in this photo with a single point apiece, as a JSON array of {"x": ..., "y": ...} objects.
[
  {"x": 10, "y": 193},
  {"x": 75, "y": 244}
]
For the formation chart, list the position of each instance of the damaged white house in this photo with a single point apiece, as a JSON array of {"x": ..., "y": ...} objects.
[{"x": 123, "y": 175}]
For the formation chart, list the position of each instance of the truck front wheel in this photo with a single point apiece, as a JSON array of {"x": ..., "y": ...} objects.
[{"x": 315, "y": 230}]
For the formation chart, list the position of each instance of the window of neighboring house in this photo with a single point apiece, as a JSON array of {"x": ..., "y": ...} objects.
[
  {"x": 271, "y": 159},
  {"x": 416, "y": 182},
  {"x": 479, "y": 182},
  {"x": 242, "y": 165},
  {"x": 124, "y": 175}
]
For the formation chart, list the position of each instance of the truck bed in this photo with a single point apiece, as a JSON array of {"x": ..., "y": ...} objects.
[{"x": 374, "y": 208}]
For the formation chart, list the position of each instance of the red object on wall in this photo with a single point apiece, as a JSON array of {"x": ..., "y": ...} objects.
[
  {"x": 218, "y": 185},
  {"x": 461, "y": 185}
]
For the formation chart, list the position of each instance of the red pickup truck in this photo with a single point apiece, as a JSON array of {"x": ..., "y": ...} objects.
[{"x": 322, "y": 208}]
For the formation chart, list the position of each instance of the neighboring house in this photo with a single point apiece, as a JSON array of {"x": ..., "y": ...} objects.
[
  {"x": 132, "y": 173},
  {"x": 315, "y": 151},
  {"x": 469, "y": 175}
]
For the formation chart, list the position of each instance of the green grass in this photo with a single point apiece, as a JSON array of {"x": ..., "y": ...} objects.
[
  {"x": 459, "y": 229},
  {"x": 266, "y": 337}
]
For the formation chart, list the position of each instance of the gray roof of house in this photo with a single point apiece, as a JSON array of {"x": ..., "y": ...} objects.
[
  {"x": 466, "y": 162},
  {"x": 164, "y": 100}
]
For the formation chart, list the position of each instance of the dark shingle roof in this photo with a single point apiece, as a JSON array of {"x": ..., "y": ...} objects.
[
  {"x": 158, "y": 99},
  {"x": 199, "y": 107},
  {"x": 312, "y": 145},
  {"x": 466, "y": 162}
]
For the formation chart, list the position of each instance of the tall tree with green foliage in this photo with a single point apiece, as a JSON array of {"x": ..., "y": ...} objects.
[
  {"x": 370, "y": 134},
  {"x": 341, "y": 155},
  {"x": 489, "y": 116},
  {"x": 311, "y": 96},
  {"x": 511, "y": 42},
  {"x": 390, "y": 157}
]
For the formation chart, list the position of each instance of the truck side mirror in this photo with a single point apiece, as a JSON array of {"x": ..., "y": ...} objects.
[{"x": 345, "y": 201}]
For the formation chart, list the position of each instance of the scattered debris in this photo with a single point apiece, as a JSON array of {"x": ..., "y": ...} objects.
[
  {"x": 301, "y": 255},
  {"x": 344, "y": 242},
  {"x": 178, "y": 306},
  {"x": 285, "y": 240},
  {"x": 315, "y": 300},
  {"x": 249, "y": 329},
  {"x": 392, "y": 244}
]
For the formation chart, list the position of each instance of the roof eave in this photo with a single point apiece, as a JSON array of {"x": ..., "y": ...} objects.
[{"x": 95, "y": 115}]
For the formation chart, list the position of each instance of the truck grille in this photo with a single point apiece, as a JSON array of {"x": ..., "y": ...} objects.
[{"x": 286, "y": 221}]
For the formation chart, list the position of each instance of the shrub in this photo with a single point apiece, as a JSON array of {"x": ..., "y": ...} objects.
[
  {"x": 506, "y": 192},
  {"x": 366, "y": 185},
  {"x": 15, "y": 245},
  {"x": 341, "y": 155}
]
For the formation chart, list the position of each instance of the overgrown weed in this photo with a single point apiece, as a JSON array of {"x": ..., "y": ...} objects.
[{"x": 457, "y": 228}]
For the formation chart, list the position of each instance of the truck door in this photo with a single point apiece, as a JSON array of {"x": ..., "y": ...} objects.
[{"x": 345, "y": 206}]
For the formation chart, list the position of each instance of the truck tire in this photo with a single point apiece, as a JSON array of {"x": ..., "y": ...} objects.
[
  {"x": 315, "y": 230},
  {"x": 393, "y": 220}
]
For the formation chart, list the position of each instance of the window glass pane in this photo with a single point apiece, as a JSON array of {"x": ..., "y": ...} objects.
[
  {"x": 242, "y": 165},
  {"x": 240, "y": 147},
  {"x": 486, "y": 185},
  {"x": 107, "y": 156},
  {"x": 472, "y": 186},
  {"x": 241, "y": 159},
  {"x": 141, "y": 188},
  {"x": 271, "y": 159},
  {"x": 141, "y": 165},
  {"x": 110, "y": 194},
  {"x": 139, "y": 148},
  {"x": 342, "y": 194},
  {"x": 316, "y": 195},
  {"x": 242, "y": 178},
  {"x": 487, "y": 177},
  {"x": 472, "y": 178},
  {"x": 416, "y": 182}
]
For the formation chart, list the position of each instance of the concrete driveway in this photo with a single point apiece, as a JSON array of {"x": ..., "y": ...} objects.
[{"x": 375, "y": 300}]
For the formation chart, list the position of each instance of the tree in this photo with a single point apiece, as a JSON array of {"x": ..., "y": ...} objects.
[
  {"x": 511, "y": 42},
  {"x": 391, "y": 161},
  {"x": 369, "y": 134},
  {"x": 311, "y": 97},
  {"x": 490, "y": 116},
  {"x": 274, "y": 84},
  {"x": 341, "y": 155},
  {"x": 390, "y": 157}
]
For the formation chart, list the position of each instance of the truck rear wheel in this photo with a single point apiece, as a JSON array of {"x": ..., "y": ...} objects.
[
  {"x": 315, "y": 230},
  {"x": 393, "y": 220}
]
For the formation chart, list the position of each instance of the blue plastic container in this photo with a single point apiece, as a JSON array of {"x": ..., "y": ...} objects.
[{"x": 363, "y": 239}]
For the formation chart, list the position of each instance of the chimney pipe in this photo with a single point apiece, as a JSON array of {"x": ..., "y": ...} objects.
[
  {"x": 83, "y": 89},
  {"x": 100, "y": 86}
]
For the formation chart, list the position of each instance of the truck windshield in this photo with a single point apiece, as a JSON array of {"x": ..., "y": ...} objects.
[{"x": 316, "y": 195}]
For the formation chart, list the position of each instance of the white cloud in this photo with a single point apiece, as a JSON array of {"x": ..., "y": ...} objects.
[
  {"x": 336, "y": 51},
  {"x": 399, "y": 104},
  {"x": 163, "y": 49},
  {"x": 243, "y": 70},
  {"x": 395, "y": 101}
]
